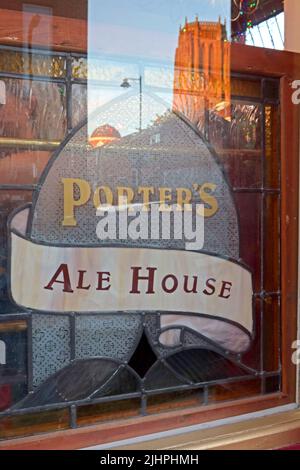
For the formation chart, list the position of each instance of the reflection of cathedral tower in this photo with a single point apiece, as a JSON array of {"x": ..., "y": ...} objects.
[{"x": 202, "y": 71}]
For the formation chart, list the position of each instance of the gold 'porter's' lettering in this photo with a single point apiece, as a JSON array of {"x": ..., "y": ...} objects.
[
  {"x": 70, "y": 202},
  {"x": 77, "y": 192}
]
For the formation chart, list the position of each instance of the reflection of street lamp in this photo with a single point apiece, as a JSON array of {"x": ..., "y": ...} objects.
[{"x": 126, "y": 84}]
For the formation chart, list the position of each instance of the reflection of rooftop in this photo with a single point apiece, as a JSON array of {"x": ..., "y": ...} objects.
[
  {"x": 169, "y": 134},
  {"x": 103, "y": 135},
  {"x": 123, "y": 112}
]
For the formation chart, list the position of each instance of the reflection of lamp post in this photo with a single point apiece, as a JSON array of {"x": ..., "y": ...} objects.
[
  {"x": 126, "y": 84},
  {"x": 34, "y": 23}
]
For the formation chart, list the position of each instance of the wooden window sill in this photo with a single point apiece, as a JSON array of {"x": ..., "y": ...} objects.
[
  {"x": 108, "y": 432},
  {"x": 265, "y": 433}
]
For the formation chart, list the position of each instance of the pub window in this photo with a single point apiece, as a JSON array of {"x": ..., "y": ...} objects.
[{"x": 101, "y": 321}]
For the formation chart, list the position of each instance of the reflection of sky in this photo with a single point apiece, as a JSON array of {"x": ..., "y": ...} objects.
[
  {"x": 146, "y": 28},
  {"x": 129, "y": 38},
  {"x": 162, "y": 15}
]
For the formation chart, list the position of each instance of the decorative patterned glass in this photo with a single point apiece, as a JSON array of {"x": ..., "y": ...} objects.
[{"x": 21, "y": 63}]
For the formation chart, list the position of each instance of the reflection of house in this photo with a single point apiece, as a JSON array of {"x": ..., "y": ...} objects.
[{"x": 202, "y": 70}]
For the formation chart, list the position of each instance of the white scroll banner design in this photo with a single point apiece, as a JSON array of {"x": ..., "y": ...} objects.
[{"x": 198, "y": 291}]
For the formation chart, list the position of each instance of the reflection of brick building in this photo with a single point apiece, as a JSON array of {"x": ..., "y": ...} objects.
[{"x": 202, "y": 70}]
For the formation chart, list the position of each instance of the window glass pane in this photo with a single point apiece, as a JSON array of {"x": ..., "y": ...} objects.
[
  {"x": 132, "y": 109},
  {"x": 21, "y": 166},
  {"x": 10, "y": 200},
  {"x": 250, "y": 212},
  {"x": 79, "y": 68},
  {"x": 79, "y": 104},
  {"x": 33, "y": 110},
  {"x": 18, "y": 426}
]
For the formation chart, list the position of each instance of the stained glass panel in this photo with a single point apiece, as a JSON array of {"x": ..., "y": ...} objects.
[{"x": 32, "y": 64}]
